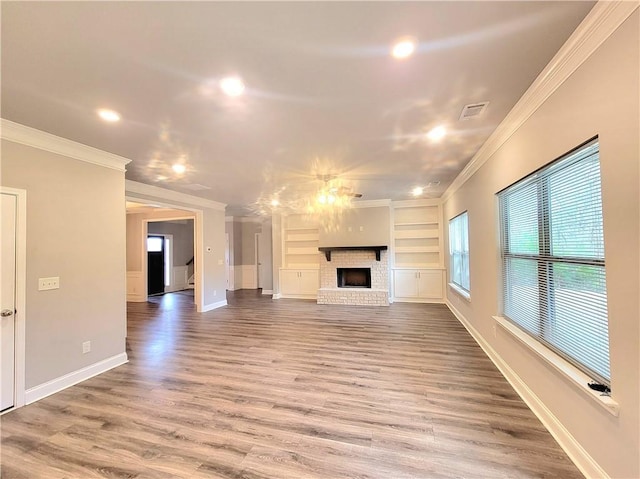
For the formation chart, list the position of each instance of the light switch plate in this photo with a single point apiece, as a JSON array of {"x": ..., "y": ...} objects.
[{"x": 48, "y": 283}]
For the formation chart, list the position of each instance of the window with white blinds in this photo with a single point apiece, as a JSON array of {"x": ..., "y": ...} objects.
[
  {"x": 459, "y": 251},
  {"x": 553, "y": 266}
]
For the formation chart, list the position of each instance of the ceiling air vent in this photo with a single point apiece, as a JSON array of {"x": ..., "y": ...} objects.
[{"x": 473, "y": 110}]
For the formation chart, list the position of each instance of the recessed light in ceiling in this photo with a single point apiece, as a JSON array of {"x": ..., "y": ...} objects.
[
  {"x": 109, "y": 115},
  {"x": 232, "y": 86},
  {"x": 437, "y": 133},
  {"x": 403, "y": 48},
  {"x": 417, "y": 191},
  {"x": 179, "y": 168}
]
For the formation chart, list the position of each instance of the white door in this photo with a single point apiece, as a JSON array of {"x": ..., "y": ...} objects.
[
  {"x": 258, "y": 261},
  {"x": 7, "y": 300},
  {"x": 226, "y": 258}
]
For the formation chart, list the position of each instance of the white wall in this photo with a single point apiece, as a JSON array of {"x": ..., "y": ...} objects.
[
  {"x": 75, "y": 230},
  {"x": 600, "y": 98}
]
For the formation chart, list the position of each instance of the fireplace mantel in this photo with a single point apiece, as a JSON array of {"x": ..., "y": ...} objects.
[{"x": 328, "y": 249}]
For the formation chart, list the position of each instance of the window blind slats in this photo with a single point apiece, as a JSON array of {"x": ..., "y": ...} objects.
[{"x": 554, "y": 283}]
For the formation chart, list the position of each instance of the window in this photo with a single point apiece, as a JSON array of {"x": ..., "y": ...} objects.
[
  {"x": 553, "y": 259},
  {"x": 459, "y": 251}
]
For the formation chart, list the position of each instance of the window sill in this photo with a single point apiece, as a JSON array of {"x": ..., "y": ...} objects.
[
  {"x": 573, "y": 374},
  {"x": 457, "y": 289}
]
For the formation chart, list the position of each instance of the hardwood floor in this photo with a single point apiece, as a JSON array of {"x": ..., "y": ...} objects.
[{"x": 286, "y": 389}]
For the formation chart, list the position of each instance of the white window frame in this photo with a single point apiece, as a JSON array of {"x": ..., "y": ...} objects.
[
  {"x": 546, "y": 257},
  {"x": 459, "y": 251}
]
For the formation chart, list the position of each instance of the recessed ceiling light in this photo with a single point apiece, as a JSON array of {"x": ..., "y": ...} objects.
[
  {"x": 232, "y": 86},
  {"x": 109, "y": 115},
  {"x": 179, "y": 168},
  {"x": 437, "y": 133},
  {"x": 417, "y": 191},
  {"x": 274, "y": 202},
  {"x": 403, "y": 48}
]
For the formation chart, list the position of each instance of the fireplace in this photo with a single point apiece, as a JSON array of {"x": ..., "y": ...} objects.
[{"x": 354, "y": 277}]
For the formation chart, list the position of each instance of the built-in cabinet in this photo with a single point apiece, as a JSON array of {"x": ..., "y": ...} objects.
[
  {"x": 418, "y": 268},
  {"x": 418, "y": 285},
  {"x": 299, "y": 276},
  {"x": 299, "y": 283}
]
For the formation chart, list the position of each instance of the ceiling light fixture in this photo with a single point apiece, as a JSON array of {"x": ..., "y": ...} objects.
[
  {"x": 417, "y": 191},
  {"x": 403, "y": 48},
  {"x": 179, "y": 168},
  {"x": 275, "y": 202},
  {"x": 109, "y": 115},
  {"x": 437, "y": 133},
  {"x": 232, "y": 86}
]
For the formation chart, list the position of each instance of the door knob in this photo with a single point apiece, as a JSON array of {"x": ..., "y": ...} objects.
[{"x": 6, "y": 312}]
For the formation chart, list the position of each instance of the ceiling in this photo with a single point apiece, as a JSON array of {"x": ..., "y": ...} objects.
[{"x": 323, "y": 98}]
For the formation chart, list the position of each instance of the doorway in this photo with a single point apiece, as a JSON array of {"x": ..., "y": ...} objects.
[
  {"x": 12, "y": 297},
  {"x": 155, "y": 265}
]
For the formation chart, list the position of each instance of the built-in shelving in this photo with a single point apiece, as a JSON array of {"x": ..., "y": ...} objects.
[
  {"x": 417, "y": 234},
  {"x": 301, "y": 241}
]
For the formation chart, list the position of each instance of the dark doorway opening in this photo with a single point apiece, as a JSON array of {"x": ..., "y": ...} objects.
[{"x": 155, "y": 264}]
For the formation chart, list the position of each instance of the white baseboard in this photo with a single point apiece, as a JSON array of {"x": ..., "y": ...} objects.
[
  {"x": 267, "y": 291},
  {"x": 136, "y": 298},
  {"x": 580, "y": 457},
  {"x": 55, "y": 385},
  {"x": 277, "y": 296},
  {"x": 212, "y": 306}
]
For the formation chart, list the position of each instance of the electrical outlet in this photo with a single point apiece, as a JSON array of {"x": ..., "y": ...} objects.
[
  {"x": 48, "y": 283},
  {"x": 215, "y": 292},
  {"x": 86, "y": 347},
  {"x": 495, "y": 331}
]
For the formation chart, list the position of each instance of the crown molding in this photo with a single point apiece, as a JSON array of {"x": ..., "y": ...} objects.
[
  {"x": 370, "y": 203},
  {"x": 603, "y": 19},
  {"x": 136, "y": 188},
  {"x": 416, "y": 203},
  {"x": 25, "y": 135}
]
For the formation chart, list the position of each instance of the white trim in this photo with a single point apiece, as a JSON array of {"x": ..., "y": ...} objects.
[
  {"x": 573, "y": 374},
  {"x": 169, "y": 195},
  {"x": 580, "y": 457},
  {"x": 56, "y": 385},
  {"x": 25, "y": 135},
  {"x": 135, "y": 289},
  {"x": 464, "y": 294},
  {"x": 277, "y": 296},
  {"x": 21, "y": 295},
  {"x": 248, "y": 276},
  {"x": 212, "y": 306},
  {"x": 603, "y": 19},
  {"x": 370, "y": 203},
  {"x": 267, "y": 291},
  {"x": 416, "y": 203}
]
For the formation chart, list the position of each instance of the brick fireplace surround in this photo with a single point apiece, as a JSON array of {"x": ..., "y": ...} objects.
[{"x": 377, "y": 295}]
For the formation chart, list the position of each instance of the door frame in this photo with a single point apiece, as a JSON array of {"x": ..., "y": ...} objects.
[
  {"x": 21, "y": 297},
  {"x": 197, "y": 249},
  {"x": 257, "y": 238}
]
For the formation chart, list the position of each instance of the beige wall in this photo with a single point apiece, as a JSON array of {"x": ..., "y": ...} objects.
[
  {"x": 212, "y": 224},
  {"x": 75, "y": 230},
  {"x": 358, "y": 227},
  {"x": 600, "y": 98}
]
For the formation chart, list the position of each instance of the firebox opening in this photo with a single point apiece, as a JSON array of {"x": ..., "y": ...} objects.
[{"x": 354, "y": 277}]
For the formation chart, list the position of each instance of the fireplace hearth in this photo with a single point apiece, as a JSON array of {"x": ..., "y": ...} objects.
[{"x": 354, "y": 277}]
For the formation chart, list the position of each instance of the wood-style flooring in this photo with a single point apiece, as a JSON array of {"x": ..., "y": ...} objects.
[{"x": 286, "y": 389}]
